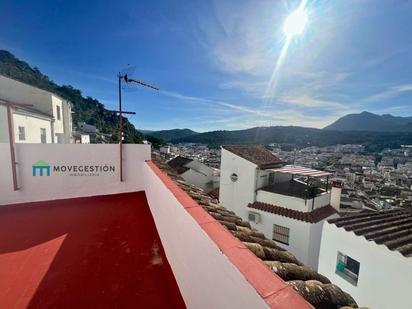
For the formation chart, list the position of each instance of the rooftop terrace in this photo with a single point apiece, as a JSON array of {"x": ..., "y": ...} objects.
[
  {"x": 101, "y": 251},
  {"x": 85, "y": 239}
]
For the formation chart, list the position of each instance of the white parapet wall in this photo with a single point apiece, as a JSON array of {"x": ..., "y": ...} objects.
[
  {"x": 205, "y": 276},
  {"x": 57, "y": 171}
]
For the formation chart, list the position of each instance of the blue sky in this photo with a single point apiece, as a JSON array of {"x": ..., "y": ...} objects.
[{"x": 214, "y": 60}]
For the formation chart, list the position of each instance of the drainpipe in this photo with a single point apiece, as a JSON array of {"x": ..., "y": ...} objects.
[
  {"x": 256, "y": 180},
  {"x": 12, "y": 146}
]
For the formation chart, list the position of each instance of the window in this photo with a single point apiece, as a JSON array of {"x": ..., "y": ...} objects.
[
  {"x": 347, "y": 268},
  {"x": 281, "y": 234},
  {"x": 22, "y": 134},
  {"x": 58, "y": 112},
  {"x": 271, "y": 178},
  {"x": 43, "y": 138}
]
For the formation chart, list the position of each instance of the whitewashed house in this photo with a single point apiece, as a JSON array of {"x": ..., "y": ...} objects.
[
  {"x": 196, "y": 173},
  {"x": 369, "y": 255},
  {"x": 47, "y": 119},
  {"x": 257, "y": 186}
]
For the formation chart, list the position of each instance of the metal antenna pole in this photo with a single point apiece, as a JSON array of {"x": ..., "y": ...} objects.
[
  {"x": 127, "y": 80},
  {"x": 120, "y": 128}
]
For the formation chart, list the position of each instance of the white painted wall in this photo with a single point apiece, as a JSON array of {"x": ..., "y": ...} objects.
[
  {"x": 85, "y": 138},
  {"x": 201, "y": 175},
  {"x": 304, "y": 237},
  {"x": 58, "y": 124},
  {"x": 206, "y": 278},
  {"x": 282, "y": 200},
  {"x": 43, "y": 101},
  {"x": 4, "y": 135},
  {"x": 385, "y": 276},
  {"x": 17, "y": 92},
  {"x": 32, "y": 126},
  {"x": 58, "y": 186},
  {"x": 291, "y": 201},
  {"x": 237, "y": 195}
]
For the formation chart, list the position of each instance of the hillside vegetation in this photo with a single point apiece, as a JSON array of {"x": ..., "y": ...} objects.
[
  {"x": 302, "y": 137},
  {"x": 86, "y": 109}
]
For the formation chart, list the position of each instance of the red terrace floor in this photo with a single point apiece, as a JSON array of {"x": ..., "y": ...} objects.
[{"x": 84, "y": 253}]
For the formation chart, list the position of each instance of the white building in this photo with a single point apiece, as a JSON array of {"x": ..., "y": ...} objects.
[
  {"x": 369, "y": 255},
  {"x": 256, "y": 186},
  {"x": 196, "y": 173},
  {"x": 81, "y": 138},
  {"x": 48, "y": 119},
  {"x": 165, "y": 149}
]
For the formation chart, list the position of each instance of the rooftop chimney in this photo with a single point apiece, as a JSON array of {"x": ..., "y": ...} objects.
[{"x": 336, "y": 193}]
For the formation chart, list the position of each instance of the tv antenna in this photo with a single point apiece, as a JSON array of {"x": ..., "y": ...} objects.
[{"x": 127, "y": 76}]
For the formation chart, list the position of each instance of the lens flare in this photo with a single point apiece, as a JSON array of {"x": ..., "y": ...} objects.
[{"x": 295, "y": 23}]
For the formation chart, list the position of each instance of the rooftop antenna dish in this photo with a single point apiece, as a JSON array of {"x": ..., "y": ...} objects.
[{"x": 127, "y": 75}]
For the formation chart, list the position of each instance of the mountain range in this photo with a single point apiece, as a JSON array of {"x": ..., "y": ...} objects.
[
  {"x": 375, "y": 131},
  {"x": 168, "y": 135},
  {"x": 366, "y": 121}
]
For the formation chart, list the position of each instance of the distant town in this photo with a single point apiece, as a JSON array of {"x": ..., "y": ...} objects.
[{"x": 379, "y": 181}]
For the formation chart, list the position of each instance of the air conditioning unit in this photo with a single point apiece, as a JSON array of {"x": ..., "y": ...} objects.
[{"x": 254, "y": 217}]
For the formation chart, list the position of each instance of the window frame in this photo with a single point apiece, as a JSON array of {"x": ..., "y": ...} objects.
[
  {"x": 345, "y": 272},
  {"x": 58, "y": 112},
  {"x": 43, "y": 130},
  {"x": 280, "y": 230},
  {"x": 22, "y": 133}
]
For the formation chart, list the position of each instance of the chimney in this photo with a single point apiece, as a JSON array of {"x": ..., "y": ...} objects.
[{"x": 336, "y": 193}]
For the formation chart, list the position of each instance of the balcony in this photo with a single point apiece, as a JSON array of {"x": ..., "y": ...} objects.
[
  {"x": 73, "y": 235},
  {"x": 293, "y": 194}
]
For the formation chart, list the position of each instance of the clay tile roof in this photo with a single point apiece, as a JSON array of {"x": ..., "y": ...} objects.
[
  {"x": 215, "y": 193},
  {"x": 392, "y": 228},
  {"x": 311, "y": 285},
  {"x": 313, "y": 216},
  {"x": 178, "y": 164},
  {"x": 257, "y": 154}
]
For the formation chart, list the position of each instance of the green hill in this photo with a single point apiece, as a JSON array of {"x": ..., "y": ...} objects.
[
  {"x": 301, "y": 137},
  {"x": 168, "y": 135},
  {"x": 86, "y": 109}
]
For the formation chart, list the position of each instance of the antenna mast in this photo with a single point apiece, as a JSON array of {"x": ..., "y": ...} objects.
[{"x": 124, "y": 76}]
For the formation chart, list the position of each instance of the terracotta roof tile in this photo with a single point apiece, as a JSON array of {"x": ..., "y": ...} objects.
[
  {"x": 215, "y": 193},
  {"x": 257, "y": 154},
  {"x": 178, "y": 164},
  {"x": 313, "y": 216},
  {"x": 392, "y": 228}
]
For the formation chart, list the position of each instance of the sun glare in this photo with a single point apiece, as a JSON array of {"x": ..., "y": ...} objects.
[{"x": 295, "y": 23}]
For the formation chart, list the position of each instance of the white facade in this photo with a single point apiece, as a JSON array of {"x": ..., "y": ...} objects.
[
  {"x": 235, "y": 193},
  {"x": 385, "y": 276},
  {"x": 45, "y": 103},
  {"x": 165, "y": 149},
  {"x": 304, "y": 237},
  {"x": 81, "y": 138},
  {"x": 201, "y": 175}
]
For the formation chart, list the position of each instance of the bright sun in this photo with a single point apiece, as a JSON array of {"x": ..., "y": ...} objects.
[{"x": 295, "y": 23}]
